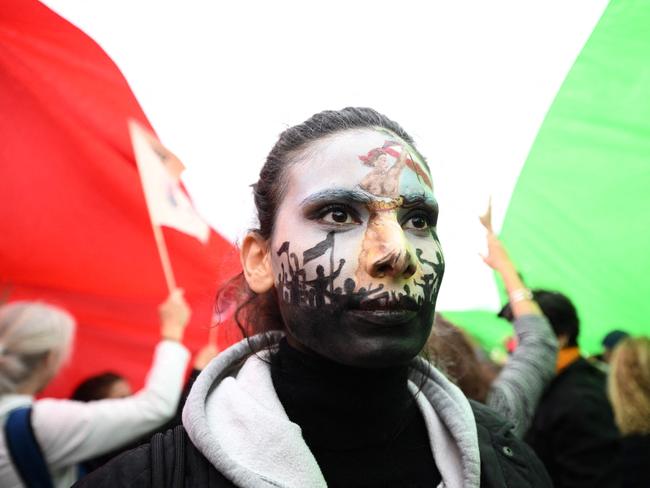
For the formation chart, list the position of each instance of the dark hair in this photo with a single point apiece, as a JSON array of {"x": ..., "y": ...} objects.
[
  {"x": 558, "y": 309},
  {"x": 259, "y": 312},
  {"x": 96, "y": 387},
  {"x": 451, "y": 350}
]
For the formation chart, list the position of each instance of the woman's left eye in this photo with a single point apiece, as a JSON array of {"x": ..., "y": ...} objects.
[{"x": 417, "y": 222}]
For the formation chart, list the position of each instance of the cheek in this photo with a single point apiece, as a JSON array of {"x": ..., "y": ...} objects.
[
  {"x": 428, "y": 250},
  {"x": 429, "y": 244},
  {"x": 348, "y": 248},
  {"x": 289, "y": 246}
]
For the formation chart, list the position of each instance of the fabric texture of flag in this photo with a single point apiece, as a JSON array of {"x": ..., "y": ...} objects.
[{"x": 74, "y": 223}]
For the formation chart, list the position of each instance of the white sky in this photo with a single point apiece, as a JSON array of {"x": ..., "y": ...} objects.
[{"x": 470, "y": 80}]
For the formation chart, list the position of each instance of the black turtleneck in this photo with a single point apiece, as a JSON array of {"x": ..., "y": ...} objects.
[{"x": 362, "y": 425}]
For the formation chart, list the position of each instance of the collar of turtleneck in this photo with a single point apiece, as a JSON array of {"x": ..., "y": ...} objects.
[{"x": 340, "y": 406}]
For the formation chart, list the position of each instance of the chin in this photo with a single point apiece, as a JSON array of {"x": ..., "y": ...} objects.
[
  {"x": 377, "y": 355},
  {"x": 352, "y": 340}
]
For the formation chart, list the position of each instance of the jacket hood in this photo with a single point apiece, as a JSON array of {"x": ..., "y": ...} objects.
[{"x": 234, "y": 418}]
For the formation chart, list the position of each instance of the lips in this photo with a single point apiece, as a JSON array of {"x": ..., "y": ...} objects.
[
  {"x": 385, "y": 317},
  {"x": 404, "y": 303}
]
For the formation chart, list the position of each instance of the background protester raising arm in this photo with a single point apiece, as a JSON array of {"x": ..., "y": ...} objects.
[
  {"x": 69, "y": 432},
  {"x": 517, "y": 389}
]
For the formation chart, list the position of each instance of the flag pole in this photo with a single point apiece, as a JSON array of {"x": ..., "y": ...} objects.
[{"x": 164, "y": 256}]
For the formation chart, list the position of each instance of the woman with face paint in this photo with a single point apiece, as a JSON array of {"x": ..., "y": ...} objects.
[{"x": 339, "y": 287}]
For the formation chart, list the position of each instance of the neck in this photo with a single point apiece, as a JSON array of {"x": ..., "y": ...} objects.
[
  {"x": 30, "y": 387},
  {"x": 567, "y": 356},
  {"x": 340, "y": 405}
]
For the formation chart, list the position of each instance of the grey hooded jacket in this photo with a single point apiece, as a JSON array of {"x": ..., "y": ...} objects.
[{"x": 236, "y": 433}]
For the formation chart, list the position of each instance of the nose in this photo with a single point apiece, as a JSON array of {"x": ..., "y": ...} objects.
[
  {"x": 389, "y": 252},
  {"x": 396, "y": 264}
]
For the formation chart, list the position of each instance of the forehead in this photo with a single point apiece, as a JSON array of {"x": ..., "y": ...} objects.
[{"x": 335, "y": 162}]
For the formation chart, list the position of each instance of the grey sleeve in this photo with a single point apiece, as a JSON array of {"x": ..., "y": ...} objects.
[{"x": 520, "y": 384}]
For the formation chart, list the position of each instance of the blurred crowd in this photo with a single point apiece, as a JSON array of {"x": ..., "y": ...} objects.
[{"x": 587, "y": 418}]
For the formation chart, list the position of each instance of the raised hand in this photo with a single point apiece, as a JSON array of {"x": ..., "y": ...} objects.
[
  {"x": 496, "y": 257},
  {"x": 174, "y": 316}
]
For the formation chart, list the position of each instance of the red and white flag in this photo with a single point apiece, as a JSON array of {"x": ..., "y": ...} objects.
[{"x": 160, "y": 172}]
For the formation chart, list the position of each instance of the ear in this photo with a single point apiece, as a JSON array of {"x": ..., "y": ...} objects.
[{"x": 256, "y": 261}]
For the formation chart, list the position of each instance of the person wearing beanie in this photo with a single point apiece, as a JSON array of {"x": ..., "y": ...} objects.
[{"x": 610, "y": 341}]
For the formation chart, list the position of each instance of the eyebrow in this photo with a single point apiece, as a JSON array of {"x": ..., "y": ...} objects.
[
  {"x": 337, "y": 194},
  {"x": 363, "y": 197},
  {"x": 415, "y": 199}
]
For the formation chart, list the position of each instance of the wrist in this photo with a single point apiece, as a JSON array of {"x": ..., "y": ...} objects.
[
  {"x": 172, "y": 333},
  {"x": 173, "y": 338},
  {"x": 520, "y": 294}
]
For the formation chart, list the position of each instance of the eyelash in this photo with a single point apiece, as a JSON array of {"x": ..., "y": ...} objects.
[
  {"x": 428, "y": 218},
  {"x": 321, "y": 213}
]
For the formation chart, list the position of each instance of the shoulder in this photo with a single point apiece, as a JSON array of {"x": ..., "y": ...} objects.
[
  {"x": 131, "y": 469},
  {"x": 71, "y": 416},
  {"x": 579, "y": 389},
  {"x": 169, "y": 459},
  {"x": 487, "y": 417},
  {"x": 583, "y": 374},
  {"x": 505, "y": 459}
]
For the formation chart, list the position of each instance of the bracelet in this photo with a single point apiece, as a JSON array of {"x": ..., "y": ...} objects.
[{"x": 520, "y": 294}]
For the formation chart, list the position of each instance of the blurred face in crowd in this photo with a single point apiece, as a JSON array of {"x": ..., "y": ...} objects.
[
  {"x": 354, "y": 254},
  {"x": 119, "y": 389}
]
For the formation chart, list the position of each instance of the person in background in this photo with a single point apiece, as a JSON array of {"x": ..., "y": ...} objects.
[
  {"x": 35, "y": 341},
  {"x": 573, "y": 431},
  {"x": 515, "y": 391},
  {"x": 101, "y": 386},
  {"x": 610, "y": 341},
  {"x": 112, "y": 385},
  {"x": 454, "y": 353},
  {"x": 629, "y": 391}
]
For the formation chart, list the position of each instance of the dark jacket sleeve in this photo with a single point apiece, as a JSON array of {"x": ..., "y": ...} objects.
[{"x": 130, "y": 469}]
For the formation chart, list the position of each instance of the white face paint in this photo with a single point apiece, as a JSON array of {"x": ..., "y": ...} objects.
[{"x": 355, "y": 254}]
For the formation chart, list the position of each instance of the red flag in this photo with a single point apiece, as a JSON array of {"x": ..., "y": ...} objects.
[{"x": 74, "y": 228}]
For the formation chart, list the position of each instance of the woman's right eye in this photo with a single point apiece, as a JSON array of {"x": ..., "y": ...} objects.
[{"x": 337, "y": 216}]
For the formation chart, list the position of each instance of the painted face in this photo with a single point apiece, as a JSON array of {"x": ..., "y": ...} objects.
[{"x": 355, "y": 255}]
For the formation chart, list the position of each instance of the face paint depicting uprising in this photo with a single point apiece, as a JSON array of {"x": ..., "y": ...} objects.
[{"x": 356, "y": 256}]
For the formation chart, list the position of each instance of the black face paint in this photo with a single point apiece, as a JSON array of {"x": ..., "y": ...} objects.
[{"x": 368, "y": 327}]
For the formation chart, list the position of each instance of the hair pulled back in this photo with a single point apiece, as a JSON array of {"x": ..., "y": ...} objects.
[
  {"x": 29, "y": 331},
  {"x": 259, "y": 312}
]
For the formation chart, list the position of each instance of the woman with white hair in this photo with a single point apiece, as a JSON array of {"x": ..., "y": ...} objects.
[{"x": 35, "y": 340}]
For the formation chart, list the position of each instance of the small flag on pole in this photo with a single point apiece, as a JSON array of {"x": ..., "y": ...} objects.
[{"x": 160, "y": 173}]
